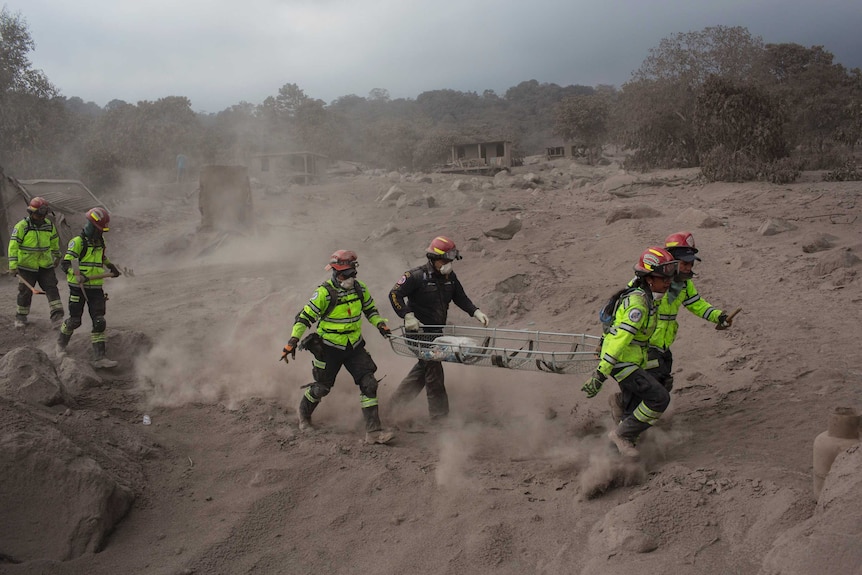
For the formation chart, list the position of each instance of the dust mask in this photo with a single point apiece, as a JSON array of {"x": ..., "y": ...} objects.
[
  {"x": 347, "y": 283},
  {"x": 446, "y": 268}
]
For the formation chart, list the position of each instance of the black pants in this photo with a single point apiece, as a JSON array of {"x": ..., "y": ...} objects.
[
  {"x": 45, "y": 278},
  {"x": 661, "y": 371},
  {"x": 644, "y": 400},
  {"x": 94, "y": 300},
  {"x": 427, "y": 374},
  {"x": 356, "y": 360}
]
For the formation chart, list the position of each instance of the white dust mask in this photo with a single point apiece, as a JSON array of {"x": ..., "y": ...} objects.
[
  {"x": 347, "y": 284},
  {"x": 446, "y": 268}
]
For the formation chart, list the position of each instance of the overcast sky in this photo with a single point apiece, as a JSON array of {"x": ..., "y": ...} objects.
[{"x": 220, "y": 52}]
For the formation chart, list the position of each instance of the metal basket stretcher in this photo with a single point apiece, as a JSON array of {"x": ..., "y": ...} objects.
[{"x": 494, "y": 347}]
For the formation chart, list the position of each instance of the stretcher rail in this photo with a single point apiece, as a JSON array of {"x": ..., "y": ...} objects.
[{"x": 496, "y": 347}]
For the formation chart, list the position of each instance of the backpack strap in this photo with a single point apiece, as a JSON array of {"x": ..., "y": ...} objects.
[
  {"x": 333, "y": 297},
  {"x": 85, "y": 245}
]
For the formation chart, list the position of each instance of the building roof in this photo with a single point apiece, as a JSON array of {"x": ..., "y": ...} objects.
[{"x": 67, "y": 196}]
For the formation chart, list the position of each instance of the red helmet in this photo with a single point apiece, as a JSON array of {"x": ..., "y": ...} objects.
[
  {"x": 38, "y": 206},
  {"x": 99, "y": 218},
  {"x": 342, "y": 260},
  {"x": 656, "y": 261},
  {"x": 681, "y": 245},
  {"x": 442, "y": 248}
]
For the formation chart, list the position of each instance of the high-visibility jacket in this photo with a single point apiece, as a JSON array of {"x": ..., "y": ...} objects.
[
  {"x": 33, "y": 246},
  {"x": 624, "y": 347},
  {"x": 679, "y": 294},
  {"x": 92, "y": 260},
  {"x": 343, "y": 324}
]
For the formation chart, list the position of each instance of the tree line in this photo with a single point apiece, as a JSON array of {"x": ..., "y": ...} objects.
[{"x": 718, "y": 98}]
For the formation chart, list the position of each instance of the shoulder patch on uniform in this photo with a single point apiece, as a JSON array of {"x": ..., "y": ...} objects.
[
  {"x": 635, "y": 315},
  {"x": 72, "y": 243},
  {"x": 401, "y": 280}
]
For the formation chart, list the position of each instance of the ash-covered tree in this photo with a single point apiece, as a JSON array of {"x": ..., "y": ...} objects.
[
  {"x": 583, "y": 120},
  {"x": 819, "y": 95},
  {"x": 739, "y": 130},
  {"x": 654, "y": 113},
  {"x": 30, "y": 111}
]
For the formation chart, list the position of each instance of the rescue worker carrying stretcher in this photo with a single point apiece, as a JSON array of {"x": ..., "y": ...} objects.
[
  {"x": 682, "y": 292},
  {"x": 624, "y": 350},
  {"x": 422, "y": 296},
  {"x": 337, "y": 306}
]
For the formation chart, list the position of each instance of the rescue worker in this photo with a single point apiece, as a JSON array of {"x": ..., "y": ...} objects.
[
  {"x": 624, "y": 350},
  {"x": 337, "y": 306},
  {"x": 682, "y": 292},
  {"x": 86, "y": 265},
  {"x": 422, "y": 296},
  {"x": 34, "y": 252}
]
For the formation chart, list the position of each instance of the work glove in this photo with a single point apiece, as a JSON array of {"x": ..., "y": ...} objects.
[
  {"x": 115, "y": 272},
  {"x": 410, "y": 322},
  {"x": 384, "y": 330},
  {"x": 724, "y": 322},
  {"x": 481, "y": 317},
  {"x": 289, "y": 349},
  {"x": 594, "y": 384},
  {"x": 82, "y": 279}
]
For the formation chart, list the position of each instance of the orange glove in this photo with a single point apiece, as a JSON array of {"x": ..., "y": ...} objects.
[{"x": 289, "y": 349}]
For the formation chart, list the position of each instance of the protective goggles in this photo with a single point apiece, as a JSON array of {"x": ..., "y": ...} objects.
[
  {"x": 348, "y": 273},
  {"x": 667, "y": 270},
  {"x": 451, "y": 255}
]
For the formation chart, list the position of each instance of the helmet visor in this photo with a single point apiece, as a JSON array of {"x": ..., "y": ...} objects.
[
  {"x": 451, "y": 255},
  {"x": 668, "y": 269}
]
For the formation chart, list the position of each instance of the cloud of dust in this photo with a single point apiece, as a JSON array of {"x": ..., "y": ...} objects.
[
  {"x": 230, "y": 349},
  {"x": 456, "y": 447}
]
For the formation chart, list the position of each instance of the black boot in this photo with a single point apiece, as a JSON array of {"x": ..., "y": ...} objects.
[
  {"x": 62, "y": 342},
  {"x": 372, "y": 418},
  {"x": 373, "y": 428},
  {"x": 306, "y": 408},
  {"x": 626, "y": 434},
  {"x": 99, "y": 359}
]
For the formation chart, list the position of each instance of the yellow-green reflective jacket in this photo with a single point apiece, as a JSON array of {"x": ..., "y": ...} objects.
[
  {"x": 679, "y": 294},
  {"x": 624, "y": 347},
  {"x": 33, "y": 246},
  {"x": 93, "y": 262},
  {"x": 342, "y": 325}
]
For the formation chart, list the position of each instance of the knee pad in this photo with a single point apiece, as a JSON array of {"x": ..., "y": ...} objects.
[
  {"x": 319, "y": 390},
  {"x": 99, "y": 324},
  {"x": 72, "y": 323},
  {"x": 368, "y": 385}
]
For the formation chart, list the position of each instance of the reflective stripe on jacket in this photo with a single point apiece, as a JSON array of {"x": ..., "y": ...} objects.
[
  {"x": 93, "y": 262},
  {"x": 343, "y": 325},
  {"x": 33, "y": 246},
  {"x": 679, "y": 294},
  {"x": 624, "y": 347}
]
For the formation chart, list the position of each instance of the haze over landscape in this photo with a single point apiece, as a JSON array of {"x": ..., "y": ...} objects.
[{"x": 220, "y": 53}]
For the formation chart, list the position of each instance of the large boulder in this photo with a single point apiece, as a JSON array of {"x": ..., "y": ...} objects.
[
  {"x": 27, "y": 374},
  {"x": 58, "y": 502},
  {"x": 829, "y": 541}
]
